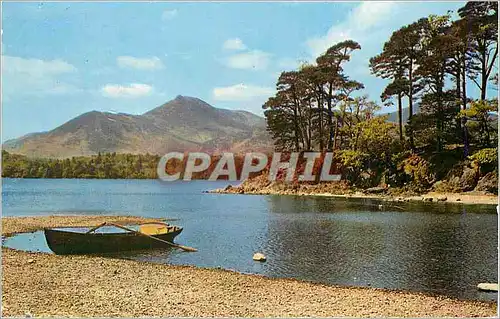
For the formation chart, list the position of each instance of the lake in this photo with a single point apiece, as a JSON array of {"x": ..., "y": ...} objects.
[{"x": 438, "y": 248}]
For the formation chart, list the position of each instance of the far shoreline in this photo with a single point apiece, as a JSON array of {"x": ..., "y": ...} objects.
[{"x": 467, "y": 198}]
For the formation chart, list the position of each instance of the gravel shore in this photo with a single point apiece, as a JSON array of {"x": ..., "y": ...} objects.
[
  {"x": 317, "y": 190},
  {"x": 49, "y": 285}
]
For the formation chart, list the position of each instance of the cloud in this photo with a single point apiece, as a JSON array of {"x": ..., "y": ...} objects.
[
  {"x": 25, "y": 76},
  {"x": 152, "y": 63},
  {"x": 290, "y": 64},
  {"x": 168, "y": 14},
  {"x": 126, "y": 91},
  {"x": 251, "y": 60},
  {"x": 241, "y": 92},
  {"x": 35, "y": 67},
  {"x": 358, "y": 25},
  {"x": 234, "y": 44}
]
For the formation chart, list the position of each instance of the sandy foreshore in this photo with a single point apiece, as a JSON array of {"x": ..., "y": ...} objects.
[
  {"x": 458, "y": 198},
  {"x": 306, "y": 190},
  {"x": 13, "y": 225},
  {"x": 48, "y": 285}
]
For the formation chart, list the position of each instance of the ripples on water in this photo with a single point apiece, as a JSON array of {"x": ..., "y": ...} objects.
[{"x": 440, "y": 248}]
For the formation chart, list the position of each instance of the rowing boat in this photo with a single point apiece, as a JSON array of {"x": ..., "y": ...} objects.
[{"x": 149, "y": 236}]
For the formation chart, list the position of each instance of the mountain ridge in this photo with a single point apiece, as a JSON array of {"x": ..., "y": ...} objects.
[{"x": 182, "y": 124}]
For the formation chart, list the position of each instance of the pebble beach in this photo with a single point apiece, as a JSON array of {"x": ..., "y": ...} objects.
[{"x": 39, "y": 284}]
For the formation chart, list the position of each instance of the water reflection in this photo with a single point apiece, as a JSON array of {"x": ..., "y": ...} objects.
[{"x": 358, "y": 244}]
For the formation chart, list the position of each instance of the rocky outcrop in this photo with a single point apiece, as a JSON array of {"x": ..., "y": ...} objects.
[
  {"x": 488, "y": 183},
  {"x": 469, "y": 179},
  {"x": 374, "y": 190}
]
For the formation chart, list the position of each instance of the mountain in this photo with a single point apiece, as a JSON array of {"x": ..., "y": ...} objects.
[
  {"x": 393, "y": 116},
  {"x": 183, "y": 124}
]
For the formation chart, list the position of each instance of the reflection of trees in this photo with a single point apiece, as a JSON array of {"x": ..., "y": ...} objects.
[
  {"x": 342, "y": 243},
  {"x": 322, "y": 247},
  {"x": 304, "y": 204}
]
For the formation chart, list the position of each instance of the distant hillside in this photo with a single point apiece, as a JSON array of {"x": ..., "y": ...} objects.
[
  {"x": 393, "y": 116},
  {"x": 183, "y": 124}
]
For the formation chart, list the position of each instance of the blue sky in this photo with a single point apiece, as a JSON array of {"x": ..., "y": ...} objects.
[{"x": 63, "y": 59}]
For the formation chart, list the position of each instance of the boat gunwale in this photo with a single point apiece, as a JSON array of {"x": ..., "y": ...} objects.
[{"x": 177, "y": 230}]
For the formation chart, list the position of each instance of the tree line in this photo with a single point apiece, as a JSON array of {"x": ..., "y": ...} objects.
[
  {"x": 103, "y": 166},
  {"x": 429, "y": 63},
  {"x": 109, "y": 165}
]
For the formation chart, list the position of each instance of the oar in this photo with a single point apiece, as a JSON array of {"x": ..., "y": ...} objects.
[
  {"x": 104, "y": 224},
  {"x": 158, "y": 223},
  {"x": 95, "y": 228},
  {"x": 186, "y": 248}
]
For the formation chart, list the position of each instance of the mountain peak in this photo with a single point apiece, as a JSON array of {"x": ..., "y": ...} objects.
[
  {"x": 184, "y": 123},
  {"x": 188, "y": 99},
  {"x": 181, "y": 103}
]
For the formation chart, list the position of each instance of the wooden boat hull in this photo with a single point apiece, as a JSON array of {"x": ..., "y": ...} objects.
[{"x": 68, "y": 243}]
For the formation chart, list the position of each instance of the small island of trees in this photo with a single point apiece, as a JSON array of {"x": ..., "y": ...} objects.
[{"x": 429, "y": 63}]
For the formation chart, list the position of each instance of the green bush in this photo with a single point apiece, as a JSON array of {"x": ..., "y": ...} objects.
[
  {"x": 486, "y": 159},
  {"x": 446, "y": 187},
  {"x": 353, "y": 163},
  {"x": 418, "y": 169}
]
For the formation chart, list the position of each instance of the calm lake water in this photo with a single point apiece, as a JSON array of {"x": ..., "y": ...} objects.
[{"x": 439, "y": 248}]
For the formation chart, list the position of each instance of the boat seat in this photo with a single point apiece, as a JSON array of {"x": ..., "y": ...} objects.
[{"x": 153, "y": 229}]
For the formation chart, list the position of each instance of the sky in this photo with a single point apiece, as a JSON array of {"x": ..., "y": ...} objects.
[{"x": 62, "y": 59}]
